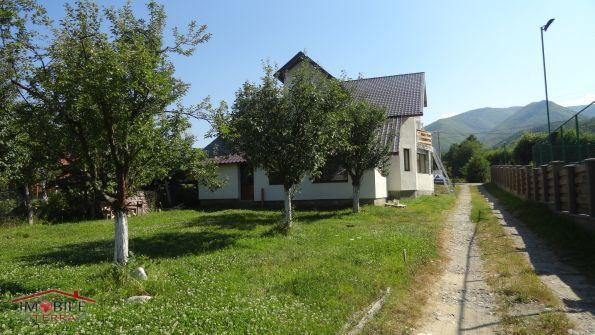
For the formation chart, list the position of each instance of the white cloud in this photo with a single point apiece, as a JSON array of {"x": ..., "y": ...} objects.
[
  {"x": 586, "y": 99},
  {"x": 445, "y": 115}
]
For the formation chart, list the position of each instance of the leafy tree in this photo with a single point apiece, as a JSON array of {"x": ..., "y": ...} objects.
[
  {"x": 104, "y": 84},
  {"x": 477, "y": 169},
  {"x": 522, "y": 153},
  {"x": 286, "y": 129},
  {"x": 362, "y": 148},
  {"x": 459, "y": 154},
  {"x": 499, "y": 156}
]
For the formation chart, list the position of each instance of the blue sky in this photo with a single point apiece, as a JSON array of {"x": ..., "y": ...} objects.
[{"x": 474, "y": 53}]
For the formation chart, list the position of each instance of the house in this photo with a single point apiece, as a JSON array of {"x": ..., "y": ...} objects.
[{"x": 410, "y": 172}]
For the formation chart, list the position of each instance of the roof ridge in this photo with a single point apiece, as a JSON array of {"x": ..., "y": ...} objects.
[{"x": 392, "y": 75}]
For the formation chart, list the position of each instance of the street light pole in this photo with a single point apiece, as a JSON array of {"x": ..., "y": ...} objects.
[{"x": 547, "y": 102}]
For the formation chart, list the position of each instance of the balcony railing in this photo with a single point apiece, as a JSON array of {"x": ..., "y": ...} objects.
[{"x": 424, "y": 137}]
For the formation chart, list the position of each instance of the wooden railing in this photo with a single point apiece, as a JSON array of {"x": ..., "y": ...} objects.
[
  {"x": 565, "y": 188},
  {"x": 424, "y": 137}
]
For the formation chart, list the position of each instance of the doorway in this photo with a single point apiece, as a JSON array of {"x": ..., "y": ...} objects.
[{"x": 246, "y": 182}]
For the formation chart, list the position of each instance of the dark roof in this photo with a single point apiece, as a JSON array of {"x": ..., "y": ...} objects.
[
  {"x": 222, "y": 153},
  {"x": 390, "y": 131},
  {"x": 400, "y": 95},
  {"x": 295, "y": 60}
]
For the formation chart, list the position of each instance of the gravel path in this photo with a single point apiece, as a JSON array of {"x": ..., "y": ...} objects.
[
  {"x": 461, "y": 302},
  {"x": 569, "y": 285}
]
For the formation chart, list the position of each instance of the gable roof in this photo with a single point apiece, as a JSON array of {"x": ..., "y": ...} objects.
[
  {"x": 400, "y": 95},
  {"x": 222, "y": 153},
  {"x": 295, "y": 60}
]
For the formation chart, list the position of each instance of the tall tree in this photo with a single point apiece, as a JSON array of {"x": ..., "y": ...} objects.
[
  {"x": 105, "y": 82},
  {"x": 362, "y": 147},
  {"x": 288, "y": 130}
]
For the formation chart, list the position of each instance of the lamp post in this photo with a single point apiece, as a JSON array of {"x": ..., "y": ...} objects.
[{"x": 547, "y": 102}]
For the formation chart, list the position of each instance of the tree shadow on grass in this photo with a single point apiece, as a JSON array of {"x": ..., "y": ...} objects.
[
  {"x": 12, "y": 287},
  {"x": 245, "y": 220},
  {"x": 164, "y": 245},
  {"x": 249, "y": 220}
]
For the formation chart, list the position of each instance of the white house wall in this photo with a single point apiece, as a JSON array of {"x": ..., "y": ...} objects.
[
  {"x": 399, "y": 179},
  {"x": 373, "y": 187},
  {"x": 231, "y": 190}
]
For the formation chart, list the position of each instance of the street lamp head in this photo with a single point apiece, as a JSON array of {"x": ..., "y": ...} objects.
[{"x": 544, "y": 28}]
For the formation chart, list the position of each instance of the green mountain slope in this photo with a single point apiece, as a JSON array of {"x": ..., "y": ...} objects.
[
  {"x": 527, "y": 118},
  {"x": 456, "y": 128},
  {"x": 495, "y": 126}
]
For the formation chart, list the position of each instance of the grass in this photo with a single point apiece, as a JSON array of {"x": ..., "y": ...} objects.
[
  {"x": 223, "y": 271},
  {"x": 519, "y": 290},
  {"x": 559, "y": 232}
]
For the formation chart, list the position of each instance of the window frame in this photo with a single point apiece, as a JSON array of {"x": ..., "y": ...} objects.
[
  {"x": 423, "y": 164},
  {"x": 274, "y": 179},
  {"x": 322, "y": 180},
  {"x": 406, "y": 159}
]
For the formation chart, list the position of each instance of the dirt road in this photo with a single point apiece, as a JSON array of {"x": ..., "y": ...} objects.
[{"x": 461, "y": 302}]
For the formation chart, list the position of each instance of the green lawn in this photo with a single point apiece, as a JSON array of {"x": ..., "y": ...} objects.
[{"x": 222, "y": 271}]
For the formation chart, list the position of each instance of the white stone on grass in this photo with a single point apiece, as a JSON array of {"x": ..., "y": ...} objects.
[
  {"x": 139, "y": 273},
  {"x": 139, "y": 299}
]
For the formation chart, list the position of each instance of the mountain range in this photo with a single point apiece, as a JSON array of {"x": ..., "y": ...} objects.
[{"x": 497, "y": 126}]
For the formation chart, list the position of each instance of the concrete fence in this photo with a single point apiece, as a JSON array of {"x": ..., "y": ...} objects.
[{"x": 565, "y": 188}]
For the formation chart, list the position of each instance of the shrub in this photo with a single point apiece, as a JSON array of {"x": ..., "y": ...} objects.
[{"x": 477, "y": 169}]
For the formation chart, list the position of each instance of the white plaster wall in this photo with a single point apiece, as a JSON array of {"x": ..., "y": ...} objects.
[
  {"x": 393, "y": 180},
  {"x": 425, "y": 181},
  {"x": 408, "y": 140},
  {"x": 373, "y": 186},
  {"x": 231, "y": 190},
  {"x": 380, "y": 188}
]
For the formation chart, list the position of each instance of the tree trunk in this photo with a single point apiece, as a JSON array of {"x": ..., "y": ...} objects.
[
  {"x": 356, "y": 198},
  {"x": 121, "y": 227},
  {"x": 167, "y": 193},
  {"x": 288, "y": 209},
  {"x": 44, "y": 192},
  {"x": 28, "y": 204},
  {"x": 121, "y": 237}
]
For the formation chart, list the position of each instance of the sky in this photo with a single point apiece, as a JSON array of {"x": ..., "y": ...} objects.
[{"x": 474, "y": 53}]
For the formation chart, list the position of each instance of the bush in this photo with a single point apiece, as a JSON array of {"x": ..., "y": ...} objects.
[{"x": 477, "y": 169}]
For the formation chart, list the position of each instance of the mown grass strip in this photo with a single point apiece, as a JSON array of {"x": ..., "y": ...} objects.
[
  {"x": 224, "y": 271},
  {"x": 525, "y": 304}
]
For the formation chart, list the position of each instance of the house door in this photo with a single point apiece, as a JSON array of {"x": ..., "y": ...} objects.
[{"x": 246, "y": 182}]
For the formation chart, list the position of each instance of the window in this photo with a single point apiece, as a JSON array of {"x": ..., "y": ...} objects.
[
  {"x": 422, "y": 162},
  {"x": 406, "y": 162},
  {"x": 275, "y": 178},
  {"x": 332, "y": 173}
]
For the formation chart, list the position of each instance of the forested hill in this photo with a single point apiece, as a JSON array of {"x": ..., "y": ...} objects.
[{"x": 495, "y": 126}]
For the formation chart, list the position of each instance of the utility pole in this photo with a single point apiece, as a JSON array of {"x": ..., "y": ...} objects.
[
  {"x": 438, "y": 136},
  {"x": 547, "y": 102}
]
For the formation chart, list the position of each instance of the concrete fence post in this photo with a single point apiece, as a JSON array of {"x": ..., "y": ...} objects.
[
  {"x": 535, "y": 177},
  {"x": 528, "y": 182},
  {"x": 570, "y": 169},
  {"x": 556, "y": 167},
  {"x": 590, "y": 168},
  {"x": 545, "y": 192}
]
